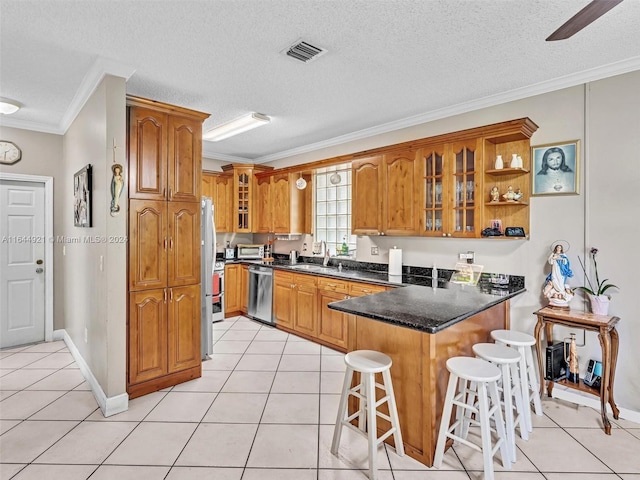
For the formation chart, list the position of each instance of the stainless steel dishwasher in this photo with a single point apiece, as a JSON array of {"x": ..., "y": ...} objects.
[{"x": 260, "y": 300}]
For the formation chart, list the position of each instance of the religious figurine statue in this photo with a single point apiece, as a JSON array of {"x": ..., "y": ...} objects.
[
  {"x": 495, "y": 194},
  {"x": 518, "y": 195},
  {"x": 556, "y": 286},
  {"x": 117, "y": 185},
  {"x": 510, "y": 195}
]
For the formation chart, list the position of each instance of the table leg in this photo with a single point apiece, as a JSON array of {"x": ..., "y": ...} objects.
[
  {"x": 614, "y": 361},
  {"x": 538, "y": 335},
  {"x": 549, "y": 332},
  {"x": 605, "y": 343}
]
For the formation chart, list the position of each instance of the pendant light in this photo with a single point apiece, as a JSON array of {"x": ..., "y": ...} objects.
[
  {"x": 335, "y": 179},
  {"x": 301, "y": 183}
]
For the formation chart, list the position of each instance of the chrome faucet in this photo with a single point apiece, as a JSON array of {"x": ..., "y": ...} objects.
[{"x": 325, "y": 252}]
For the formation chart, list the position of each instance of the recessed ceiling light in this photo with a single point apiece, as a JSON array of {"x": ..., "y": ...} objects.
[
  {"x": 234, "y": 127},
  {"x": 7, "y": 107}
]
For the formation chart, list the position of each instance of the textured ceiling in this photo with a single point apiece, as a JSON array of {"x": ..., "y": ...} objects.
[{"x": 387, "y": 61}]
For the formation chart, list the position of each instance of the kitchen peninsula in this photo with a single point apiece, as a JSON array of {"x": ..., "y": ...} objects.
[{"x": 420, "y": 328}]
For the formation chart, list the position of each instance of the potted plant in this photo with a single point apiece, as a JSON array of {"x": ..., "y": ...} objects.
[{"x": 598, "y": 300}]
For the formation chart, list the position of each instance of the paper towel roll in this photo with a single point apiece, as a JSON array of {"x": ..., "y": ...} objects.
[{"x": 395, "y": 261}]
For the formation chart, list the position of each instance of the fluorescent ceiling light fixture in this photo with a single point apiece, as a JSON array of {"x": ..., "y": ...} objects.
[
  {"x": 234, "y": 127},
  {"x": 7, "y": 107}
]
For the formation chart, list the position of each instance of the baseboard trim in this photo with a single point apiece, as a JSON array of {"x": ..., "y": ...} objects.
[
  {"x": 571, "y": 395},
  {"x": 108, "y": 405}
]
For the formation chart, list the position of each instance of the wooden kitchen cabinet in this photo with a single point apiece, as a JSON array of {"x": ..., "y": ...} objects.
[
  {"x": 280, "y": 207},
  {"x": 366, "y": 196},
  {"x": 232, "y": 289},
  {"x": 283, "y": 311},
  {"x": 384, "y": 194},
  {"x": 244, "y": 200},
  {"x": 244, "y": 289},
  {"x": 294, "y": 302},
  {"x": 165, "y": 186},
  {"x": 165, "y": 152},
  {"x": 333, "y": 326},
  {"x": 184, "y": 328},
  {"x": 219, "y": 188},
  {"x": 450, "y": 189},
  {"x": 148, "y": 331},
  {"x": 164, "y": 326},
  {"x": 164, "y": 244}
]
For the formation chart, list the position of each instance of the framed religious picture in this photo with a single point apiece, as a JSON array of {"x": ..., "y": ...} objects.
[
  {"x": 82, "y": 197},
  {"x": 555, "y": 168}
]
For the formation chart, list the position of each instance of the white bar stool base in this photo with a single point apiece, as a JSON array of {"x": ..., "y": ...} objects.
[{"x": 368, "y": 363}]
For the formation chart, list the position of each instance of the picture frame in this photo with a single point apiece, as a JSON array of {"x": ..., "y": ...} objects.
[
  {"x": 82, "y": 197},
  {"x": 555, "y": 168}
]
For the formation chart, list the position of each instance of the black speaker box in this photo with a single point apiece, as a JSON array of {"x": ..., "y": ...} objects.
[{"x": 556, "y": 366}]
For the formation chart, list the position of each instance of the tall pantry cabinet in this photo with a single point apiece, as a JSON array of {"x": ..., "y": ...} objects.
[{"x": 165, "y": 175}]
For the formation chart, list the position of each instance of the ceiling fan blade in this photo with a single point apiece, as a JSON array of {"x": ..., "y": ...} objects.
[{"x": 584, "y": 17}]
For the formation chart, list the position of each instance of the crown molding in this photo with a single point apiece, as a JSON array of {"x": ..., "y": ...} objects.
[
  {"x": 585, "y": 76},
  {"x": 207, "y": 152},
  {"x": 100, "y": 68}
]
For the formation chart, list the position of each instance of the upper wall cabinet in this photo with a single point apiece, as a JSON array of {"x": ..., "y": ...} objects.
[
  {"x": 243, "y": 206},
  {"x": 165, "y": 153},
  {"x": 443, "y": 189},
  {"x": 219, "y": 188},
  {"x": 451, "y": 178},
  {"x": 280, "y": 206},
  {"x": 384, "y": 194}
]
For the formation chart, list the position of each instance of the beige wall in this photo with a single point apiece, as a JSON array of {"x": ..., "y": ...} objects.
[
  {"x": 612, "y": 128},
  {"x": 42, "y": 155},
  {"x": 93, "y": 287}
]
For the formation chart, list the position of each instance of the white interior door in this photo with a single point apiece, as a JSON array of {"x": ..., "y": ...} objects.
[{"x": 22, "y": 255}]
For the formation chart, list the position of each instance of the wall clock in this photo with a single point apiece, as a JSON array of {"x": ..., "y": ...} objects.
[{"x": 10, "y": 153}]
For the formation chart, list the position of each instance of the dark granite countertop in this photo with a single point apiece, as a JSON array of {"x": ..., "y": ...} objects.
[
  {"x": 424, "y": 308},
  {"x": 417, "y": 305}
]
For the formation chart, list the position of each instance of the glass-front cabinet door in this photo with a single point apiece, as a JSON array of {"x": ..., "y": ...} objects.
[
  {"x": 243, "y": 200},
  {"x": 466, "y": 169},
  {"x": 434, "y": 219}
]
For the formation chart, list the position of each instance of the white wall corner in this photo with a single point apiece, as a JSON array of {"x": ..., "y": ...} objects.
[{"x": 108, "y": 405}]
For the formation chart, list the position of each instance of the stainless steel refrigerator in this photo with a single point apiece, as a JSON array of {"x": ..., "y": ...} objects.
[{"x": 208, "y": 258}]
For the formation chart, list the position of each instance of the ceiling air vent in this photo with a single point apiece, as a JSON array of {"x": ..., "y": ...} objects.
[{"x": 303, "y": 51}]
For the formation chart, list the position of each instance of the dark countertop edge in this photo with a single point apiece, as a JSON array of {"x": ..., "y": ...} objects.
[
  {"x": 431, "y": 330},
  {"x": 333, "y": 274}
]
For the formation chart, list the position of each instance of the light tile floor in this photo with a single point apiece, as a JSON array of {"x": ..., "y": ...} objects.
[{"x": 264, "y": 409}]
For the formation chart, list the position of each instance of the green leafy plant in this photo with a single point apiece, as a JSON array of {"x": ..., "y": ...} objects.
[{"x": 602, "y": 286}]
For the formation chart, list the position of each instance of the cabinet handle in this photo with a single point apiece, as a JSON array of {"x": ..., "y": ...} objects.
[
  {"x": 164, "y": 192},
  {"x": 332, "y": 285},
  {"x": 165, "y": 243},
  {"x": 164, "y": 290},
  {"x": 170, "y": 194},
  {"x": 171, "y": 243},
  {"x": 171, "y": 294},
  {"x": 382, "y": 233},
  {"x": 444, "y": 234},
  {"x": 448, "y": 234},
  {"x": 346, "y": 297},
  {"x": 366, "y": 290}
]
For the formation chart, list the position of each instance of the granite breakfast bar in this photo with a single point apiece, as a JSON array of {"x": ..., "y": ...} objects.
[{"x": 420, "y": 328}]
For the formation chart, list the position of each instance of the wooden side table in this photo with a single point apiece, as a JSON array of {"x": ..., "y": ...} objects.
[{"x": 605, "y": 325}]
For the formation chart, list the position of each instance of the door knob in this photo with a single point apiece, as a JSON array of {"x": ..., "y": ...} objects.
[
  {"x": 39, "y": 262},
  {"x": 39, "y": 270}
]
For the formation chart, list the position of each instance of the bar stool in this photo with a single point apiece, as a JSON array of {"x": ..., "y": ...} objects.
[
  {"x": 474, "y": 376},
  {"x": 524, "y": 343},
  {"x": 368, "y": 363},
  {"x": 507, "y": 359}
]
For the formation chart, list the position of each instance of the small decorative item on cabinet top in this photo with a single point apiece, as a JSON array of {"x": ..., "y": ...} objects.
[
  {"x": 555, "y": 168},
  {"x": 495, "y": 194},
  {"x": 499, "y": 165},
  {"x": 596, "y": 292}
]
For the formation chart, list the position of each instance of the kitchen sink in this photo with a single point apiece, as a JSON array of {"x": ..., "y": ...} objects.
[{"x": 310, "y": 268}]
